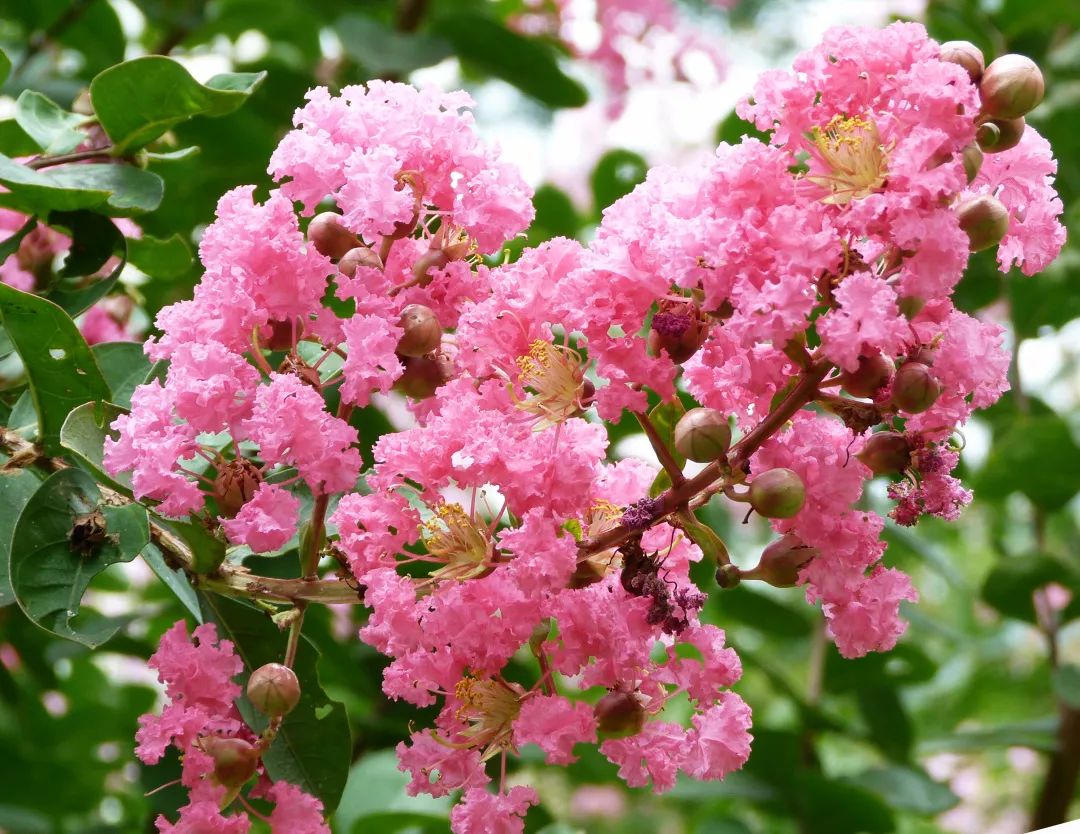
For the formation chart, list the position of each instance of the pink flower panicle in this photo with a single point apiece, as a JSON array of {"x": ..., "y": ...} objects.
[{"x": 493, "y": 525}]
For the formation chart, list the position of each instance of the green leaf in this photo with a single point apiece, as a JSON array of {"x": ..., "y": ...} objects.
[
  {"x": 16, "y": 488},
  {"x": 1067, "y": 685},
  {"x": 376, "y": 789},
  {"x": 83, "y": 435},
  {"x": 616, "y": 174},
  {"x": 382, "y": 50},
  {"x": 887, "y": 720},
  {"x": 14, "y": 141},
  {"x": 174, "y": 579},
  {"x": 11, "y": 243},
  {"x": 5, "y": 66},
  {"x": 664, "y": 417},
  {"x": 907, "y": 789},
  {"x": 527, "y": 63},
  {"x": 314, "y": 746},
  {"x": 836, "y": 807},
  {"x": 160, "y": 257},
  {"x": 54, "y": 129},
  {"x": 761, "y": 612},
  {"x": 124, "y": 366},
  {"x": 555, "y": 214},
  {"x": 116, "y": 190},
  {"x": 1040, "y": 734},
  {"x": 138, "y": 100},
  {"x": 59, "y": 365},
  {"x": 95, "y": 239},
  {"x": 207, "y": 551},
  {"x": 49, "y": 576},
  {"x": 1017, "y": 462}
]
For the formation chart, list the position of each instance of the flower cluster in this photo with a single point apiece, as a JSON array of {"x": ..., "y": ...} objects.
[
  {"x": 218, "y": 751},
  {"x": 798, "y": 290}
]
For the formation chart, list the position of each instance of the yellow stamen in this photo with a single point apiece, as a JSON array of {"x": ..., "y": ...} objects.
[
  {"x": 451, "y": 535},
  {"x": 554, "y": 376},
  {"x": 489, "y": 707},
  {"x": 851, "y": 149}
]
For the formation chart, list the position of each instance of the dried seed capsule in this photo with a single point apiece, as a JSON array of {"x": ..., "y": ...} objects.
[
  {"x": 886, "y": 453},
  {"x": 328, "y": 235},
  {"x": 985, "y": 220},
  {"x": 1011, "y": 87},
  {"x": 914, "y": 388},
  {"x": 702, "y": 435},
  {"x": 865, "y": 381},
  {"x": 679, "y": 329},
  {"x": 777, "y": 493},
  {"x": 423, "y": 333},
  {"x": 235, "y": 485},
  {"x": 273, "y": 690}
]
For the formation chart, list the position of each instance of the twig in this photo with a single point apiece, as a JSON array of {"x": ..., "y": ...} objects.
[{"x": 669, "y": 463}]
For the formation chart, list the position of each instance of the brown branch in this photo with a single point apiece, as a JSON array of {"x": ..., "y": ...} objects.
[
  {"x": 63, "y": 159},
  {"x": 1063, "y": 774},
  {"x": 678, "y": 496}
]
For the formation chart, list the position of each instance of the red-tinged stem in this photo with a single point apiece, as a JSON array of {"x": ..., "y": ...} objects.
[
  {"x": 63, "y": 159},
  {"x": 671, "y": 466}
]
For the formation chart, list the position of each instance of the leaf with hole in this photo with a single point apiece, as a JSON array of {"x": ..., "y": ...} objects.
[{"x": 50, "y": 571}]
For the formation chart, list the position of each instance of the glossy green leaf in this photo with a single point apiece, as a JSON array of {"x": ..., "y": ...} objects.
[
  {"x": 887, "y": 721},
  {"x": 160, "y": 257},
  {"x": 83, "y": 435},
  {"x": 313, "y": 749},
  {"x": 828, "y": 806},
  {"x": 907, "y": 789},
  {"x": 94, "y": 241},
  {"x": 59, "y": 365},
  {"x": 124, "y": 366},
  {"x": 207, "y": 550},
  {"x": 5, "y": 66},
  {"x": 381, "y": 49},
  {"x": 376, "y": 789},
  {"x": 1017, "y": 462},
  {"x": 55, "y": 130},
  {"x": 16, "y": 488},
  {"x": 139, "y": 100},
  {"x": 527, "y": 63},
  {"x": 49, "y": 576},
  {"x": 174, "y": 579},
  {"x": 14, "y": 141},
  {"x": 116, "y": 190}
]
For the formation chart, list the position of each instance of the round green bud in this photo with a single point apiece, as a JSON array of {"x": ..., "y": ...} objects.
[
  {"x": 985, "y": 220},
  {"x": 1009, "y": 132},
  {"x": 873, "y": 372},
  {"x": 782, "y": 560},
  {"x": 273, "y": 690},
  {"x": 886, "y": 453},
  {"x": 423, "y": 333},
  {"x": 1011, "y": 87},
  {"x": 702, "y": 435},
  {"x": 972, "y": 157},
  {"x": 914, "y": 388},
  {"x": 777, "y": 493}
]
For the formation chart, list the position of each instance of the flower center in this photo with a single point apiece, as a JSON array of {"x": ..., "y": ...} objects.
[
  {"x": 489, "y": 707},
  {"x": 454, "y": 537},
  {"x": 851, "y": 150},
  {"x": 554, "y": 377}
]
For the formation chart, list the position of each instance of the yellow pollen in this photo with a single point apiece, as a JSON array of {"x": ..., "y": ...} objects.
[
  {"x": 554, "y": 378},
  {"x": 489, "y": 707},
  {"x": 454, "y": 537},
  {"x": 852, "y": 151}
]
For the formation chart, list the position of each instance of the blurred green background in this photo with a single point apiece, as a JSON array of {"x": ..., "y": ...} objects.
[{"x": 953, "y": 731}]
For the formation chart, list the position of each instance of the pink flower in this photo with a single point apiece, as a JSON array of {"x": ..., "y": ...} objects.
[
  {"x": 481, "y": 812},
  {"x": 267, "y": 521},
  {"x": 204, "y": 817},
  {"x": 867, "y": 321},
  {"x": 374, "y": 528},
  {"x": 437, "y": 768},
  {"x": 295, "y": 812},
  {"x": 868, "y": 618},
  {"x": 720, "y": 742},
  {"x": 656, "y": 753},
  {"x": 212, "y": 386},
  {"x": 555, "y": 724}
]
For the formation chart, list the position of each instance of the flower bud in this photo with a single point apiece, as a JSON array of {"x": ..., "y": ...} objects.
[
  {"x": 972, "y": 157},
  {"x": 777, "y": 493},
  {"x": 985, "y": 220},
  {"x": 914, "y": 388},
  {"x": 423, "y": 333},
  {"x": 358, "y": 257},
  {"x": 432, "y": 259},
  {"x": 679, "y": 328},
  {"x": 329, "y": 236},
  {"x": 702, "y": 435},
  {"x": 728, "y": 576},
  {"x": 999, "y": 135},
  {"x": 273, "y": 690},
  {"x": 782, "y": 560},
  {"x": 886, "y": 453},
  {"x": 281, "y": 334},
  {"x": 1011, "y": 87},
  {"x": 865, "y": 381},
  {"x": 423, "y": 375},
  {"x": 618, "y": 715},
  {"x": 967, "y": 55},
  {"x": 235, "y": 485},
  {"x": 235, "y": 760}
]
